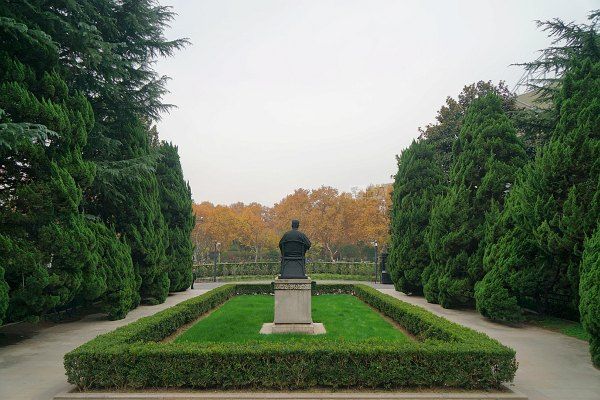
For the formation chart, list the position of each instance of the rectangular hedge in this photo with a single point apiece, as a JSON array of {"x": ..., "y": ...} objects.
[
  {"x": 364, "y": 269},
  {"x": 445, "y": 355}
]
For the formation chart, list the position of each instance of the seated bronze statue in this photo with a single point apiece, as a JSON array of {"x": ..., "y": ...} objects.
[{"x": 293, "y": 246}]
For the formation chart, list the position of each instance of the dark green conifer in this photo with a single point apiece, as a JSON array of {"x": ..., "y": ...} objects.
[
  {"x": 107, "y": 52},
  {"x": 554, "y": 204},
  {"x": 589, "y": 290},
  {"x": 487, "y": 156},
  {"x": 449, "y": 119},
  {"x": 416, "y": 183},
  {"x": 49, "y": 249},
  {"x": 3, "y": 295},
  {"x": 176, "y": 207}
]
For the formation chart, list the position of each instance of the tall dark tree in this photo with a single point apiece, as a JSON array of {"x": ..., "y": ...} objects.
[
  {"x": 49, "y": 247},
  {"x": 126, "y": 194},
  {"x": 176, "y": 207},
  {"x": 107, "y": 50},
  {"x": 449, "y": 119},
  {"x": 417, "y": 182},
  {"x": 3, "y": 295},
  {"x": 58, "y": 58},
  {"x": 554, "y": 205},
  {"x": 589, "y": 290},
  {"x": 126, "y": 99},
  {"x": 487, "y": 156}
]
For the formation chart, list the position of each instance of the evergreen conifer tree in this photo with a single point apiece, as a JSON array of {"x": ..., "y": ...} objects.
[
  {"x": 3, "y": 295},
  {"x": 107, "y": 50},
  {"x": 449, "y": 119},
  {"x": 126, "y": 195},
  {"x": 176, "y": 207},
  {"x": 554, "y": 204},
  {"x": 416, "y": 183},
  {"x": 50, "y": 253},
  {"x": 589, "y": 290},
  {"x": 487, "y": 155}
]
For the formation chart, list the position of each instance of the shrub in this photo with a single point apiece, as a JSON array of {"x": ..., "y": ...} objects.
[
  {"x": 417, "y": 182},
  {"x": 445, "y": 354},
  {"x": 589, "y": 290},
  {"x": 494, "y": 301},
  {"x": 271, "y": 268},
  {"x": 487, "y": 156}
]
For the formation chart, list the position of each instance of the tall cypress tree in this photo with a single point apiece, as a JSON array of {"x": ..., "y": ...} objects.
[
  {"x": 554, "y": 204},
  {"x": 126, "y": 100},
  {"x": 49, "y": 247},
  {"x": 449, "y": 119},
  {"x": 3, "y": 295},
  {"x": 176, "y": 207},
  {"x": 487, "y": 156},
  {"x": 107, "y": 50},
  {"x": 126, "y": 195},
  {"x": 589, "y": 290},
  {"x": 417, "y": 182}
]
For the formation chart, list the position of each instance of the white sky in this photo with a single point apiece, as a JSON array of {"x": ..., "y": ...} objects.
[{"x": 277, "y": 95}]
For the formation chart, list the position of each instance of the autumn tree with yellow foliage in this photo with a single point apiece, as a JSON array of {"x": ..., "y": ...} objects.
[{"x": 332, "y": 219}]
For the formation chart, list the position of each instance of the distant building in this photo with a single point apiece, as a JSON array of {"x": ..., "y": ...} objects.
[{"x": 530, "y": 100}]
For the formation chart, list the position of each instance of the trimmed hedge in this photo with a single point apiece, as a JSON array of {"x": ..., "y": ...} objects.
[
  {"x": 365, "y": 269},
  {"x": 445, "y": 354}
]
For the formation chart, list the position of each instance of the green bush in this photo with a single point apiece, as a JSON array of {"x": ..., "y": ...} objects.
[
  {"x": 589, "y": 290},
  {"x": 494, "y": 301},
  {"x": 271, "y": 268},
  {"x": 444, "y": 355}
]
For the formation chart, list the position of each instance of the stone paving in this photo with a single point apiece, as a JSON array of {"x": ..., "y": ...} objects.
[
  {"x": 31, "y": 368},
  {"x": 552, "y": 366}
]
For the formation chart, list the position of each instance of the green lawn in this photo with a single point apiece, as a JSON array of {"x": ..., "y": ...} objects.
[
  {"x": 566, "y": 327},
  {"x": 239, "y": 320}
]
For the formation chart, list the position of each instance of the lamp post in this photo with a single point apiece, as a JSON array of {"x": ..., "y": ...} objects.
[
  {"x": 375, "y": 244},
  {"x": 215, "y": 258}
]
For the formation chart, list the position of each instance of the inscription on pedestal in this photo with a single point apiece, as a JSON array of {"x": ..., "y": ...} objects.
[
  {"x": 292, "y": 301},
  {"x": 292, "y": 286}
]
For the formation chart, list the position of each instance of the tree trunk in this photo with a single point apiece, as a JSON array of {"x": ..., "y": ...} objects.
[{"x": 331, "y": 253}]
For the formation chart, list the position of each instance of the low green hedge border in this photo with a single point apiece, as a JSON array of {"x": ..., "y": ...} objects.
[
  {"x": 317, "y": 277},
  {"x": 445, "y": 354},
  {"x": 365, "y": 269}
]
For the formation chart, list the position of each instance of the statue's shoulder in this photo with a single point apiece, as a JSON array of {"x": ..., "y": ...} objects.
[{"x": 288, "y": 235}]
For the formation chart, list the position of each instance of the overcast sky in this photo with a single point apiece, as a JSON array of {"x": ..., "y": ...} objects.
[{"x": 277, "y": 95}]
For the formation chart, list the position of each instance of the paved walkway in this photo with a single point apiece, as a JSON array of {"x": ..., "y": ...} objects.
[
  {"x": 552, "y": 366},
  {"x": 32, "y": 367}
]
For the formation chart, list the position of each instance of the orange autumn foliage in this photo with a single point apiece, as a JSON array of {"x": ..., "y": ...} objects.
[{"x": 330, "y": 218}]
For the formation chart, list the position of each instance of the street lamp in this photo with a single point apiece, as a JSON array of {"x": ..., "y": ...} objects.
[
  {"x": 375, "y": 244},
  {"x": 197, "y": 248},
  {"x": 215, "y": 258}
]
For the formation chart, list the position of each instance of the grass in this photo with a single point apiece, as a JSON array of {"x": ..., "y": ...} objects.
[
  {"x": 239, "y": 320},
  {"x": 566, "y": 327}
]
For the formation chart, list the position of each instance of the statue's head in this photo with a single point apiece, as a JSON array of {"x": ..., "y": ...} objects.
[{"x": 295, "y": 224}]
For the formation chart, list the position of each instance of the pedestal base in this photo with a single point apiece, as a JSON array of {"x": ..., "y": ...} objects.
[
  {"x": 314, "y": 328},
  {"x": 293, "y": 313},
  {"x": 292, "y": 301}
]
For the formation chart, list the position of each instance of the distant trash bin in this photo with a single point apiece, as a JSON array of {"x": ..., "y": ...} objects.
[{"x": 386, "y": 279}]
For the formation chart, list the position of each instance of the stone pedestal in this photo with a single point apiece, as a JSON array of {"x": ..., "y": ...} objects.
[{"x": 293, "y": 308}]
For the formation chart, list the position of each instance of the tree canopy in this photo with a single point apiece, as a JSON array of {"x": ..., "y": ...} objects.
[
  {"x": 340, "y": 225},
  {"x": 515, "y": 226},
  {"x": 81, "y": 219}
]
